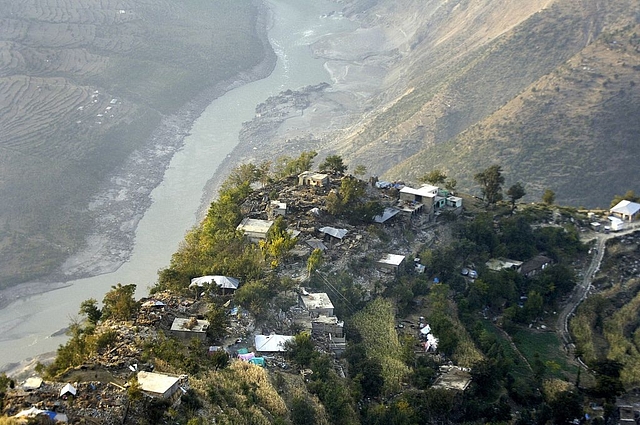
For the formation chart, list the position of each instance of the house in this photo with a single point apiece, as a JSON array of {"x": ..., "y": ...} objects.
[
  {"x": 333, "y": 234},
  {"x": 158, "y": 384},
  {"x": 271, "y": 343},
  {"x": 316, "y": 304},
  {"x": 626, "y": 210},
  {"x": 425, "y": 196},
  {"x": 277, "y": 208},
  {"x": 454, "y": 201},
  {"x": 391, "y": 262},
  {"x": 535, "y": 265},
  {"x": 255, "y": 229},
  {"x": 497, "y": 264},
  {"x": 389, "y": 212},
  {"x": 186, "y": 329},
  {"x": 310, "y": 178},
  {"x": 327, "y": 325}
]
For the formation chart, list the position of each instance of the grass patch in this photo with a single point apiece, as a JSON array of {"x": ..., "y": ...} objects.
[
  {"x": 520, "y": 368},
  {"x": 545, "y": 346}
]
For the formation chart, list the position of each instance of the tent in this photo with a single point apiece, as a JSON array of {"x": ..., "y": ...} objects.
[
  {"x": 67, "y": 389},
  {"x": 258, "y": 361},
  {"x": 223, "y": 282}
]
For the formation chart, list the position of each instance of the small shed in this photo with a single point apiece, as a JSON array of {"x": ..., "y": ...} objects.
[
  {"x": 316, "y": 304},
  {"x": 188, "y": 328},
  {"x": 333, "y": 234},
  {"x": 387, "y": 214},
  {"x": 454, "y": 201},
  {"x": 310, "y": 178},
  {"x": 536, "y": 265},
  {"x": 497, "y": 264},
  {"x": 391, "y": 262},
  {"x": 626, "y": 210},
  {"x": 271, "y": 343},
  {"x": 255, "y": 229},
  {"x": 278, "y": 208},
  {"x": 158, "y": 384}
]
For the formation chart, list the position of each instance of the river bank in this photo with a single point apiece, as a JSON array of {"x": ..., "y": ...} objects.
[{"x": 118, "y": 207}]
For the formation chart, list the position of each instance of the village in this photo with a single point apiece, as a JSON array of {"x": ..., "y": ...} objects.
[{"x": 100, "y": 390}]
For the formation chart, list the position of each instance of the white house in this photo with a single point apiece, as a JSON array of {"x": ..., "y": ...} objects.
[{"x": 626, "y": 210}]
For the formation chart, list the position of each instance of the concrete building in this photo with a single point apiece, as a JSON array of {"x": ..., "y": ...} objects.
[
  {"x": 316, "y": 304},
  {"x": 327, "y": 325},
  {"x": 186, "y": 329},
  {"x": 391, "y": 262},
  {"x": 310, "y": 178},
  {"x": 255, "y": 229},
  {"x": 158, "y": 384}
]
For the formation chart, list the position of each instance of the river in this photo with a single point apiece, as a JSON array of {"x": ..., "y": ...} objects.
[{"x": 27, "y": 325}]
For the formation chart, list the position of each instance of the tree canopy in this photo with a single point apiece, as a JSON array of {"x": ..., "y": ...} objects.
[{"x": 491, "y": 181}]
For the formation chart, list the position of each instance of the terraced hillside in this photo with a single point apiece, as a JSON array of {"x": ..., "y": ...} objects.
[
  {"x": 457, "y": 64},
  {"x": 82, "y": 84}
]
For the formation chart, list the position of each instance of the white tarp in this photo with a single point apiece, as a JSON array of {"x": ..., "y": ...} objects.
[
  {"x": 271, "y": 343},
  {"x": 68, "y": 388},
  {"x": 224, "y": 282}
]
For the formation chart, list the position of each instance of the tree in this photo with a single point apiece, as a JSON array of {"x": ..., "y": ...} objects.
[
  {"x": 315, "y": 260},
  {"x": 300, "y": 349},
  {"x": 629, "y": 196},
  {"x": 360, "y": 170},
  {"x": 333, "y": 163},
  {"x": 90, "y": 309},
  {"x": 548, "y": 197},
  {"x": 119, "y": 303},
  {"x": 451, "y": 184},
  {"x": 491, "y": 181},
  {"x": 515, "y": 193},
  {"x": 434, "y": 177}
]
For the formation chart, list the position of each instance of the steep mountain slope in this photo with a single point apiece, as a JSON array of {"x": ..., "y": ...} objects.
[{"x": 461, "y": 61}]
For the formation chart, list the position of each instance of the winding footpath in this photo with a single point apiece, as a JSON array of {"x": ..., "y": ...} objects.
[{"x": 581, "y": 291}]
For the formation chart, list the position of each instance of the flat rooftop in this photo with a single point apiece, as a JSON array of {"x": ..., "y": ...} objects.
[
  {"x": 392, "y": 259},
  {"x": 189, "y": 325},
  {"x": 254, "y": 225},
  {"x": 316, "y": 301}
]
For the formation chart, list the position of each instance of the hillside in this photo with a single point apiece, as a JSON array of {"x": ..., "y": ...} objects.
[
  {"x": 455, "y": 80},
  {"x": 443, "y": 337},
  {"x": 85, "y": 83}
]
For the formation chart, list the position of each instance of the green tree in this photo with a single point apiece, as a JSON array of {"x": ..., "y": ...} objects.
[
  {"x": 278, "y": 242},
  {"x": 315, "y": 260},
  {"x": 119, "y": 303},
  {"x": 548, "y": 197},
  {"x": 301, "y": 349},
  {"x": 515, "y": 193},
  {"x": 90, "y": 309},
  {"x": 628, "y": 196},
  {"x": 218, "y": 321},
  {"x": 360, "y": 170},
  {"x": 243, "y": 174},
  {"x": 434, "y": 177},
  {"x": 333, "y": 163},
  {"x": 491, "y": 181}
]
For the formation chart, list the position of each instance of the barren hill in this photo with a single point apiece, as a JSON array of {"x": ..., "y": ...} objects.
[{"x": 459, "y": 63}]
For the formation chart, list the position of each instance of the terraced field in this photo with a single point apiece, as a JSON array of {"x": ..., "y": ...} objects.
[{"x": 83, "y": 83}]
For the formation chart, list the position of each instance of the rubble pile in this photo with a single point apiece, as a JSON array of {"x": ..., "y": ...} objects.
[{"x": 104, "y": 403}]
